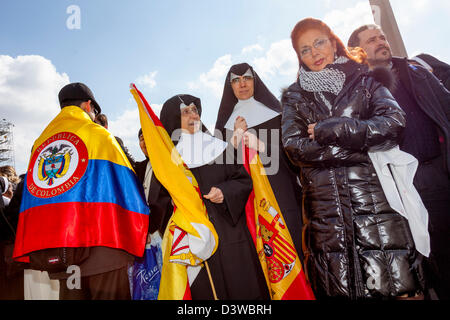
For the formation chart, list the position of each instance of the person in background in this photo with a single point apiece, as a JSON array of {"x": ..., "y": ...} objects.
[
  {"x": 10, "y": 173},
  {"x": 437, "y": 67},
  {"x": 427, "y": 137},
  {"x": 11, "y": 273},
  {"x": 7, "y": 195},
  {"x": 102, "y": 120},
  {"x": 157, "y": 197}
]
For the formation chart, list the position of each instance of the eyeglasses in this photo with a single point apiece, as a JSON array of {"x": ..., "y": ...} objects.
[
  {"x": 239, "y": 79},
  {"x": 319, "y": 44},
  {"x": 188, "y": 110}
]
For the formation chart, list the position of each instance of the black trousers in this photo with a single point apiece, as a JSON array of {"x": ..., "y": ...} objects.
[
  {"x": 433, "y": 184},
  {"x": 113, "y": 285}
]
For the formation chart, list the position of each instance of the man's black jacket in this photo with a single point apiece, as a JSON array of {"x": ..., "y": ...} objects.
[{"x": 432, "y": 97}]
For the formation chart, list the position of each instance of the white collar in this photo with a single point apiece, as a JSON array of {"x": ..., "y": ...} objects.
[
  {"x": 253, "y": 111},
  {"x": 199, "y": 149}
]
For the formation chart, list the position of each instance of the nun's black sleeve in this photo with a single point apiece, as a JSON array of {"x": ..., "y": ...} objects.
[
  {"x": 236, "y": 190},
  {"x": 237, "y": 186}
]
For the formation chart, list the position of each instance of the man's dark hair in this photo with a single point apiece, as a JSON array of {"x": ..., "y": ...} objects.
[
  {"x": 102, "y": 120},
  {"x": 354, "y": 40},
  {"x": 76, "y": 103}
]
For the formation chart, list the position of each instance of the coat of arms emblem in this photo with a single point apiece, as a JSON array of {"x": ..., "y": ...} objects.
[
  {"x": 54, "y": 163},
  {"x": 57, "y": 165},
  {"x": 280, "y": 254}
]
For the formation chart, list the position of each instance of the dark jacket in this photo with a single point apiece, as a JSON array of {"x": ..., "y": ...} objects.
[
  {"x": 356, "y": 245},
  {"x": 11, "y": 213},
  {"x": 431, "y": 96},
  {"x": 4, "y": 228},
  {"x": 440, "y": 69},
  {"x": 11, "y": 272},
  {"x": 125, "y": 150},
  {"x": 158, "y": 200}
]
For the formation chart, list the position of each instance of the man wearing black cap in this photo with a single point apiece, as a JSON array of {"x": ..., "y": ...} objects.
[
  {"x": 103, "y": 269},
  {"x": 78, "y": 94}
]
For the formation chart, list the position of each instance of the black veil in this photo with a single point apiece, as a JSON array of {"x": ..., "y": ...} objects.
[{"x": 229, "y": 100}]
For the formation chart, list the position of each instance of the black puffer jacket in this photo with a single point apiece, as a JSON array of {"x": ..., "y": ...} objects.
[{"x": 356, "y": 246}]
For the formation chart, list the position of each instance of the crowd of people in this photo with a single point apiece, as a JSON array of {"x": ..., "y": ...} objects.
[{"x": 356, "y": 153}]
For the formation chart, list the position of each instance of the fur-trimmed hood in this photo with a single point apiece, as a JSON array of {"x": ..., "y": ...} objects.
[{"x": 385, "y": 76}]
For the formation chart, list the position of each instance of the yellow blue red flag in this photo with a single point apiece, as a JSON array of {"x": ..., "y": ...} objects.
[
  {"x": 190, "y": 238},
  {"x": 80, "y": 191}
]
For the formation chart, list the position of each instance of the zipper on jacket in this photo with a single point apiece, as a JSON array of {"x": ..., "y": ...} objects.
[
  {"x": 359, "y": 285},
  {"x": 350, "y": 253},
  {"x": 345, "y": 89}
]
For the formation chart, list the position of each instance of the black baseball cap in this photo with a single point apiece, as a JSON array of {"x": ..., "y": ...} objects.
[{"x": 78, "y": 91}]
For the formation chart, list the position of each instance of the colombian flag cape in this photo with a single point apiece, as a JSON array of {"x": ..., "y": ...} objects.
[
  {"x": 279, "y": 260},
  {"x": 190, "y": 238},
  {"x": 80, "y": 191}
]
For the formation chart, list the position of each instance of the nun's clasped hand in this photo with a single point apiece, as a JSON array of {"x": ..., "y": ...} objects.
[
  {"x": 240, "y": 123},
  {"x": 252, "y": 142},
  {"x": 215, "y": 195}
]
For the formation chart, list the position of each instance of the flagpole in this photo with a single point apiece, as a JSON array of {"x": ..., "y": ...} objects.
[
  {"x": 211, "y": 281},
  {"x": 384, "y": 17}
]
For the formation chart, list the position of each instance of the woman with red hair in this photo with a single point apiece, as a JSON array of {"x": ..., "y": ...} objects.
[{"x": 356, "y": 245}]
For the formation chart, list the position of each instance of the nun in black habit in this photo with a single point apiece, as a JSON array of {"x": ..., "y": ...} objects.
[
  {"x": 249, "y": 111},
  {"x": 235, "y": 268}
]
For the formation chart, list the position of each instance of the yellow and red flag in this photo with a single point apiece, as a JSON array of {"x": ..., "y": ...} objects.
[
  {"x": 190, "y": 238},
  {"x": 278, "y": 257}
]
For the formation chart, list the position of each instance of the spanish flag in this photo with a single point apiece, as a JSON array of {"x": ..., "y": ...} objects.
[
  {"x": 190, "y": 238},
  {"x": 279, "y": 260},
  {"x": 80, "y": 191}
]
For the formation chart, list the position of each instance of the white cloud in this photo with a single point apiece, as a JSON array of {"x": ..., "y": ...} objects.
[
  {"x": 252, "y": 48},
  {"x": 445, "y": 5},
  {"x": 344, "y": 21},
  {"x": 213, "y": 79},
  {"x": 420, "y": 5},
  {"x": 280, "y": 59},
  {"x": 418, "y": 9},
  {"x": 148, "y": 80},
  {"x": 29, "y": 87},
  {"x": 126, "y": 127}
]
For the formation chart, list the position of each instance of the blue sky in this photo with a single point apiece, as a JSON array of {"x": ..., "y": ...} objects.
[{"x": 168, "y": 47}]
